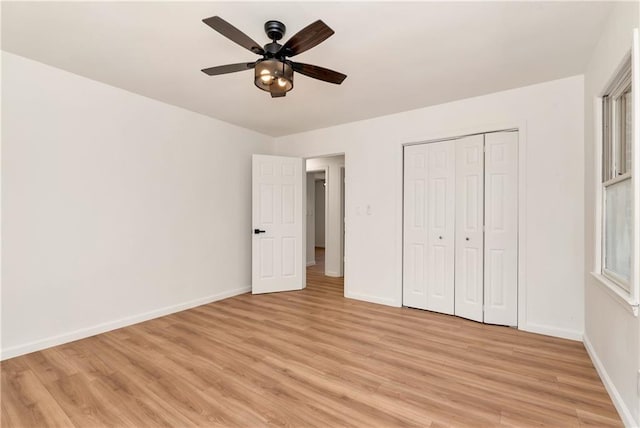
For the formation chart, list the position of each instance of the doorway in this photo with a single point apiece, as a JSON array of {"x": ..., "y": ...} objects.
[
  {"x": 325, "y": 214},
  {"x": 283, "y": 217}
]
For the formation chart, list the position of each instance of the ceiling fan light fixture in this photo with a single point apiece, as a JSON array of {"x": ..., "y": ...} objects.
[
  {"x": 270, "y": 71},
  {"x": 266, "y": 77}
]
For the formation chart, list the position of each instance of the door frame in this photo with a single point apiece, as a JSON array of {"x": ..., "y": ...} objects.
[
  {"x": 344, "y": 236},
  {"x": 521, "y": 129}
]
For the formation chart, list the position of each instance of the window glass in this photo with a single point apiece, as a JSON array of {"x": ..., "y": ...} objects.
[{"x": 618, "y": 222}]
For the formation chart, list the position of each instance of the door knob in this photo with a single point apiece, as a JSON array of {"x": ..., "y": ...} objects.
[
  {"x": 258, "y": 231},
  {"x": 439, "y": 237},
  {"x": 466, "y": 239}
]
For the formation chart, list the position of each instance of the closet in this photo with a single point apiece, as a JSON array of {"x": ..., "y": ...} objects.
[{"x": 461, "y": 227}]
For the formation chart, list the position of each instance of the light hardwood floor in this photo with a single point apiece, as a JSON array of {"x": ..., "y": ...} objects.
[{"x": 307, "y": 358}]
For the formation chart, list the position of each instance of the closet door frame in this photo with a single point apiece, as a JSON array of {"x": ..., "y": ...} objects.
[{"x": 521, "y": 128}]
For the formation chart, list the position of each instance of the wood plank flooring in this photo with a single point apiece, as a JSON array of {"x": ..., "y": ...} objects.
[{"x": 306, "y": 359}]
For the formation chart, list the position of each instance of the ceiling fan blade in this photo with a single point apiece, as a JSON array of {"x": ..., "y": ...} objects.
[
  {"x": 310, "y": 36},
  {"x": 233, "y": 34},
  {"x": 229, "y": 68},
  {"x": 319, "y": 73}
]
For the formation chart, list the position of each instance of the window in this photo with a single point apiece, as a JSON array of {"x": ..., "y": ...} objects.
[{"x": 617, "y": 237}]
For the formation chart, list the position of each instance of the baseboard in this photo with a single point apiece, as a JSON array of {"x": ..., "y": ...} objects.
[
  {"x": 311, "y": 263},
  {"x": 83, "y": 333},
  {"x": 552, "y": 331},
  {"x": 371, "y": 299},
  {"x": 332, "y": 274},
  {"x": 621, "y": 407}
]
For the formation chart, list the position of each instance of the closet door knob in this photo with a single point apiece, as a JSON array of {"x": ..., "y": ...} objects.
[
  {"x": 439, "y": 237},
  {"x": 466, "y": 239}
]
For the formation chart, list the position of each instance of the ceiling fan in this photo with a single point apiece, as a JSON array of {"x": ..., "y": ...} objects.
[{"x": 274, "y": 71}]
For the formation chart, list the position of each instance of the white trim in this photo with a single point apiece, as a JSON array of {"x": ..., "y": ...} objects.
[
  {"x": 303, "y": 256},
  {"x": 548, "y": 330},
  {"x": 327, "y": 211},
  {"x": 599, "y": 200},
  {"x": 371, "y": 299},
  {"x": 399, "y": 163},
  {"x": 312, "y": 263},
  {"x": 616, "y": 293},
  {"x": 609, "y": 84},
  {"x": 83, "y": 333},
  {"x": 618, "y": 280},
  {"x": 332, "y": 274},
  {"x": 635, "y": 72},
  {"x": 619, "y": 82},
  {"x": 342, "y": 171},
  {"x": 522, "y": 223},
  {"x": 621, "y": 407},
  {"x": 627, "y": 175}
]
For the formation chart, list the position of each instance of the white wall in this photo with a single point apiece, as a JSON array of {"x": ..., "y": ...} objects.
[
  {"x": 612, "y": 332},
  {"x": 116, "y": 207},
  {"x": 550, "y": 118},
  {"x": 333, "y": 236}
]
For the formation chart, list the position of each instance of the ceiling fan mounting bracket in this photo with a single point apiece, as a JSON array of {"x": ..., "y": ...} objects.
[{"x": 274, "y": 29}]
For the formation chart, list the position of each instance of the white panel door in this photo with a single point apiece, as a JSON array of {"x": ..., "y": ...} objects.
[
  {"x": 501, "y": 229},
  {"x": 440, "y": 226},
  {"x": 469, "y": 241},
  {"x": 278, "y": 224},
  {"x": 414, "y": 287}
]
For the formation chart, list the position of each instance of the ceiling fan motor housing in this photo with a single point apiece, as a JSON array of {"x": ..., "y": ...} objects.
[{"x": 274, "y": 29}]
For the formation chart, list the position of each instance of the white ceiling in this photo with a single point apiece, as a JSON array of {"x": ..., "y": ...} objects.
[{"x": 398, "y": 56}]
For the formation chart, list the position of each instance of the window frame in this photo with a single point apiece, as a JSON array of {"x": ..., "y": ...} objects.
[
  {"x": 614, "y": 168},
  {"x": 614, "y": 139},
  {"x": 629, "y": 300}
]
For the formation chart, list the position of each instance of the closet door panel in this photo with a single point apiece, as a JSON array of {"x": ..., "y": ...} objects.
[
  {"x": 440, "y": 226},
  {"x": 469, "y": 236},
  {"x": 501, "y": 229},
  {"x": 414, "y": 288}
]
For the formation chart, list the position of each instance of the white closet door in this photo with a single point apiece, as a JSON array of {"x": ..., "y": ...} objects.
[
  {"x": 469, "y": 241},
  {"x": 501, "y": 229},
  {"x": 440, "y": 226},
  {"x": 414, "y": 288}
]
